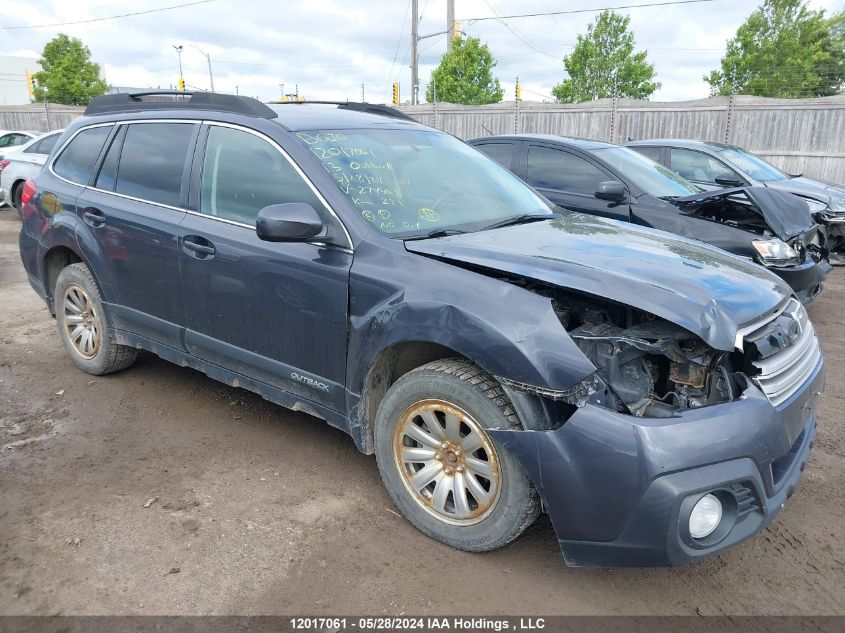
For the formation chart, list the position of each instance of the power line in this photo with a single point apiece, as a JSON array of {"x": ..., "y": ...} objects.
[
  {"x": 110, "y": 17},
  {"x": 571, "y": 11},
  {"x": 398, "y": 43}
]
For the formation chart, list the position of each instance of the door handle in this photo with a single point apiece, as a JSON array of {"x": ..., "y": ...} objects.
[
  {"x": 94, "y": 217},
  {"x": 198, "y": 246}
]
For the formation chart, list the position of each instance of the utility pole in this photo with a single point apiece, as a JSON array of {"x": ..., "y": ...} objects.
[
  {"x": 363, "y": 97},
  {"x": 450, "y": 24},
  {"x": 451, "y": 32},
  {"x": 415, "y": 37}
]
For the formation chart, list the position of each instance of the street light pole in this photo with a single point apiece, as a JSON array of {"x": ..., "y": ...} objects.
[
  {"x": 207, "y": 58},
  {"x": 179, "y": 52}
]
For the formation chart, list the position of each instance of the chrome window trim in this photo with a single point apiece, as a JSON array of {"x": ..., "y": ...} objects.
[{"x": 235, "y": 126}]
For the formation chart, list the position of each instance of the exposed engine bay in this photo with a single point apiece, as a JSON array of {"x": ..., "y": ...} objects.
[
  {"x": 734, "y": 211},
  {"x": 649, "y": 367}
]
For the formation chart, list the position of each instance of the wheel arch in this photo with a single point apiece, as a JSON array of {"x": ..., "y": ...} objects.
[
  {"x": 56, "y": 259},
  {"x": 390, "y": 364}
]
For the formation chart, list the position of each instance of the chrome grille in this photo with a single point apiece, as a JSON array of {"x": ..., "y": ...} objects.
[{"x": 784, "y": 372}]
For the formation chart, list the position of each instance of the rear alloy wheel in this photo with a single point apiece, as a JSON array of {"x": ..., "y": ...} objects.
[
  {"x": 82, "y": 321},
  {"x": 446, "y": 474},
  {"x": 84, "y": 326}
]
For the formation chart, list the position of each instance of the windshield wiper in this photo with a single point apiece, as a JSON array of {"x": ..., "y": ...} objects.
[
  {"x": 520, "y": 219},
  {"x": 433, "y": 234}
]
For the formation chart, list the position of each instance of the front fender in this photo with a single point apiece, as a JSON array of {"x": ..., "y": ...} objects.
[{"x": 507, "y": 330}]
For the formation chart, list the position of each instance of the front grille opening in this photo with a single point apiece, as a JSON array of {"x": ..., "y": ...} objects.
[
  {"x": 782, "y": 465},
  {"x": 782, "y": 353}
]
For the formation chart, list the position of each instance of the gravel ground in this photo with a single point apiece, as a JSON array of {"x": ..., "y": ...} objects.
[{"x": 258, "y": 510}]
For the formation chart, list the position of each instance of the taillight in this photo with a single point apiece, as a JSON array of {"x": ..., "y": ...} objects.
[
  {"x": 4, "y": 164},
  {"x": 28, "y": 192}
]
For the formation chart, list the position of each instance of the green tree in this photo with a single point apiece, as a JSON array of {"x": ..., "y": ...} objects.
[
  {"x": 604, "y": 64},
  {"x": 67, "y": 73},
  {"x": 465, "y": 75},
  {"x": 784, "y": 49}
]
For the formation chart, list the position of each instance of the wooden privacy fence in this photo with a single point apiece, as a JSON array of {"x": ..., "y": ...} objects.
[
  {"x": 798, "y": 135},
  {"x": 38, "y": 116}
]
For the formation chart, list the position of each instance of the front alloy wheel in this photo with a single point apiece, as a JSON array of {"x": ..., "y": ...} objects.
[
  {"x": 447, "y": 462},
  {"x": 442, "y": 468}
]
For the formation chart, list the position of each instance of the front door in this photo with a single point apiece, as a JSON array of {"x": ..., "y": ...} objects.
[
  {"x": 570, "y": 181},
  {"x": 275, "y": 312}
]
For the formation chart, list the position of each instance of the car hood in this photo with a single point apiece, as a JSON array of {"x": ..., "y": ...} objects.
[
  {"x": 828, "y": 192},
  {"x": 786, "y": 215},
  {"x": 698, "y": 287}
]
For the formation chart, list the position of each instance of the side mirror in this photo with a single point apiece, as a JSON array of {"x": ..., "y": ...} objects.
[
  {"x": 728, "y": 180},
  {"x": 290, "y": 222},
  {"x": 612, "y": 190}
]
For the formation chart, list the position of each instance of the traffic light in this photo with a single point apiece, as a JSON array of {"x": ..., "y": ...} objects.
[
  {"x": 181, "y": 85},
  {"x": 396, "y": 93},
  {"x": 518, "y": 91},
  {"x": 30, "y": 83}
]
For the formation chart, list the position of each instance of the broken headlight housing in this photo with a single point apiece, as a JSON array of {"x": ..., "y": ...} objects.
[{"x": 775, "y": 252}]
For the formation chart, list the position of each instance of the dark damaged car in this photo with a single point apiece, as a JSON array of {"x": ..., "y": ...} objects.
[
  {"x": 655, "y": 395},
  {"x": 712, "y": 165},
  {"x": 769, "y": 227}
]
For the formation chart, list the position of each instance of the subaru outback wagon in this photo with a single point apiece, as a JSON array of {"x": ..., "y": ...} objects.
[{"x": 655, "y": 395}]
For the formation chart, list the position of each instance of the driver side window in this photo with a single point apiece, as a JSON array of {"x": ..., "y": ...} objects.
[
  {"x": 242, "y": 173},
  {"x": 558, "y": 170},
  {"x": 698, "y": 167}
]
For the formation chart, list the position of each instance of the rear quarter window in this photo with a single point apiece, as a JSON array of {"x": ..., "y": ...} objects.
[{"x": 76, "y": 162}]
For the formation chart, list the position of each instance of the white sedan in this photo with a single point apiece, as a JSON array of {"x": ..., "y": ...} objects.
[{"x": 25, "y": 163}]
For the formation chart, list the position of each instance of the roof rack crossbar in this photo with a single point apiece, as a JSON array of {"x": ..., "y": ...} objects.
[
  {"x": 134, "y": 102},
  {"x": 358, "y": 106}
]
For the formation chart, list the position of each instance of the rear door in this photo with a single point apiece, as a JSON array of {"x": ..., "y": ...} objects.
[
  {"x": 130, "y": 217},
  {"x": 274, "y": 312},
  {"x": 570, "y": 180},
  {"x": 33, "y": 157}
]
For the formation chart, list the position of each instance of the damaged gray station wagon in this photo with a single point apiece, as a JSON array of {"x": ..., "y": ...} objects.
[{"x": 654, "y": 395}]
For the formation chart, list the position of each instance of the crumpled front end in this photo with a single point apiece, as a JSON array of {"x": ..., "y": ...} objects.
[{"x": 620, "y": 482}]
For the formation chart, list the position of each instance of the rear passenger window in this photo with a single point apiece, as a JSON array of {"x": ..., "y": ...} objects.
[
  {"x": 153, "y": 161},
  {"x": 502, "y": 153},
  {"x": 561, "y": 171},
  {"x": 44, "y": 146},
  {"x": 242, "y": 174},
  {"x": 77, "y": 160}
]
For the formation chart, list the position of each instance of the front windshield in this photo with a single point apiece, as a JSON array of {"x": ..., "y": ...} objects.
[
  {"x": 414, "y": 182},
  {"x": 649, "y": 176},
  {"x": 752, "y": 165}
]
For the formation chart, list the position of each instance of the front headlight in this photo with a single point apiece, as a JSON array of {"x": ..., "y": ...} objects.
[{"x": 775, "y": 252}]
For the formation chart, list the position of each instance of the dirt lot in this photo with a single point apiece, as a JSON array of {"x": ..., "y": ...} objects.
[{"x": 259, "y": 510}]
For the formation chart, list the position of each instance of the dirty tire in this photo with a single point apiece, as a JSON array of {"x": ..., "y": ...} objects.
[
  {"x": 465, "y": 386},
  {"x": 17, "y": 192},
  {"x": 110, "y": 356}
]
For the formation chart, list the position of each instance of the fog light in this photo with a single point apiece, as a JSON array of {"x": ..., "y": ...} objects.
[{"x": 705, "y": 516}]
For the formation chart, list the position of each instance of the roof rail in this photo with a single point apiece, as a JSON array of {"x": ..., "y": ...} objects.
[
  {"x": 174, "y": 100},
  {"x": 358, "y": 106}
]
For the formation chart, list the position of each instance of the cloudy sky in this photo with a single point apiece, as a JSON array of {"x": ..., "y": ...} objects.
[{"x": 329, "y": 47}]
